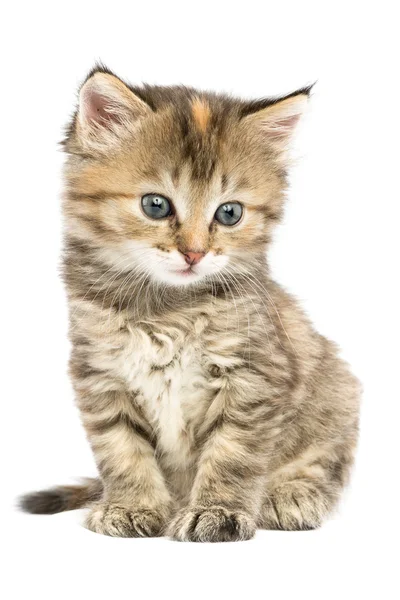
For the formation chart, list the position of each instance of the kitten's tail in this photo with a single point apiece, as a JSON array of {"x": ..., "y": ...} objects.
[{"x": 59, "y": 499}]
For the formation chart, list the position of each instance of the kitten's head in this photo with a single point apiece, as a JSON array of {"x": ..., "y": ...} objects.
[{"x": 177, "y": 184}]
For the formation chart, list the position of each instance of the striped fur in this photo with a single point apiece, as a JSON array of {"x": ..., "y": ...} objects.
[{"x": 213, "y": 408}]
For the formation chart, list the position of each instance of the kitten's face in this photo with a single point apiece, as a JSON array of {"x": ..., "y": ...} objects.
[{"x": 175, "y": 186}]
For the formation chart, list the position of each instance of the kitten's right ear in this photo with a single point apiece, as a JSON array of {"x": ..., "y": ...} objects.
[{"x": 107, "y": 111}]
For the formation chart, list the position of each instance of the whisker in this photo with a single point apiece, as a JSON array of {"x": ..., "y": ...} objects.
[{"x": 260, "y": 286}]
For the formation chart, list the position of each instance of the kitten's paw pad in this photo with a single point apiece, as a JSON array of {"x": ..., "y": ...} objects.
[
  {"x": 118, "y": 521},
  {"x": 212, "y": 524}
]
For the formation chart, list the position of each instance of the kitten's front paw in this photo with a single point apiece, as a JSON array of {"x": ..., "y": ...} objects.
[
  {"x": 119, "y": 521},
  {"x": 211, "y": 524}
]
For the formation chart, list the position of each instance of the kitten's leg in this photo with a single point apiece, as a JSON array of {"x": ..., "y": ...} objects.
[
  {"x": 237, "y": 438},
  {"x": 301, "y": 495},
  {"x": 136, "y": 502},
  {"x": 227, "y": 491}
]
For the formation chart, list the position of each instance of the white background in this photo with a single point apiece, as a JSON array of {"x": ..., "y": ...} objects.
[{"x": 338, "y": 250}]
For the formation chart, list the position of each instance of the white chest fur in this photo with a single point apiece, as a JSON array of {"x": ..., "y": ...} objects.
[{"x": 164, "y": 368}]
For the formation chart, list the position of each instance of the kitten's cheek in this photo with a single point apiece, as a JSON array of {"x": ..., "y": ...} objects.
[{"x": 216, "y": 264}]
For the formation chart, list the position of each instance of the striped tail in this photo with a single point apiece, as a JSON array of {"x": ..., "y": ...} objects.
[{"x": 62, "y": 498}]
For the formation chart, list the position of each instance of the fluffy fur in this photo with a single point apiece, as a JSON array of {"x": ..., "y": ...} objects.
[{"x": 212, "y": 406}]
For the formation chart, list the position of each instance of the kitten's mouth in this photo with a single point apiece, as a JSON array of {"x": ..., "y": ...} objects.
[
  {"x": 182, "y": 276},
  {"x": 185, "y": 272}
]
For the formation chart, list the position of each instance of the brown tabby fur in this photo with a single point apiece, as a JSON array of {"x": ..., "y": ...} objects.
[{"x": 212, "y": 409}]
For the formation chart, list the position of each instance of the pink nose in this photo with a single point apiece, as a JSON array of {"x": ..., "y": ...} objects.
[{"x": 192, "y": 258}]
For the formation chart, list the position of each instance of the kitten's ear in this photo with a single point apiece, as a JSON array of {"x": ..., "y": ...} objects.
[
  {"x": 276, "y": 120},
  {"x": 107, "y": 109}
]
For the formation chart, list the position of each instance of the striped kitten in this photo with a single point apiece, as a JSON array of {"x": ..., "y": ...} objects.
[{"x": 212, "y": 406}]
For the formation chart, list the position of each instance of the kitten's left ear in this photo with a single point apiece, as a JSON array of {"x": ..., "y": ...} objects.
[{"x": 276, "y": 119}]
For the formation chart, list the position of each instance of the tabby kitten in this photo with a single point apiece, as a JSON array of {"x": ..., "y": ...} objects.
[{"x": 212, "y": 406}]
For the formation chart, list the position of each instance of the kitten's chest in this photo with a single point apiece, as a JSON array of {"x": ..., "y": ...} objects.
[{"x": 167, "y": 371}]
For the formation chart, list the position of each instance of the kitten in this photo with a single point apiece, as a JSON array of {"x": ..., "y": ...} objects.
[{"x": 212, "y": 406}]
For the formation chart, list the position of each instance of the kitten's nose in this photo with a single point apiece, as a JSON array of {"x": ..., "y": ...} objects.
[{"x": 192, "y": 258}]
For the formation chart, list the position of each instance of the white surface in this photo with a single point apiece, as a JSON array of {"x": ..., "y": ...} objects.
[{"x": 338, "y": 250}]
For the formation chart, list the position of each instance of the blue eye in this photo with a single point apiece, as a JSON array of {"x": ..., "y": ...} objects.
[
  {"x": 229, "y": 213},
  {"x": 156, "y": 206}
]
